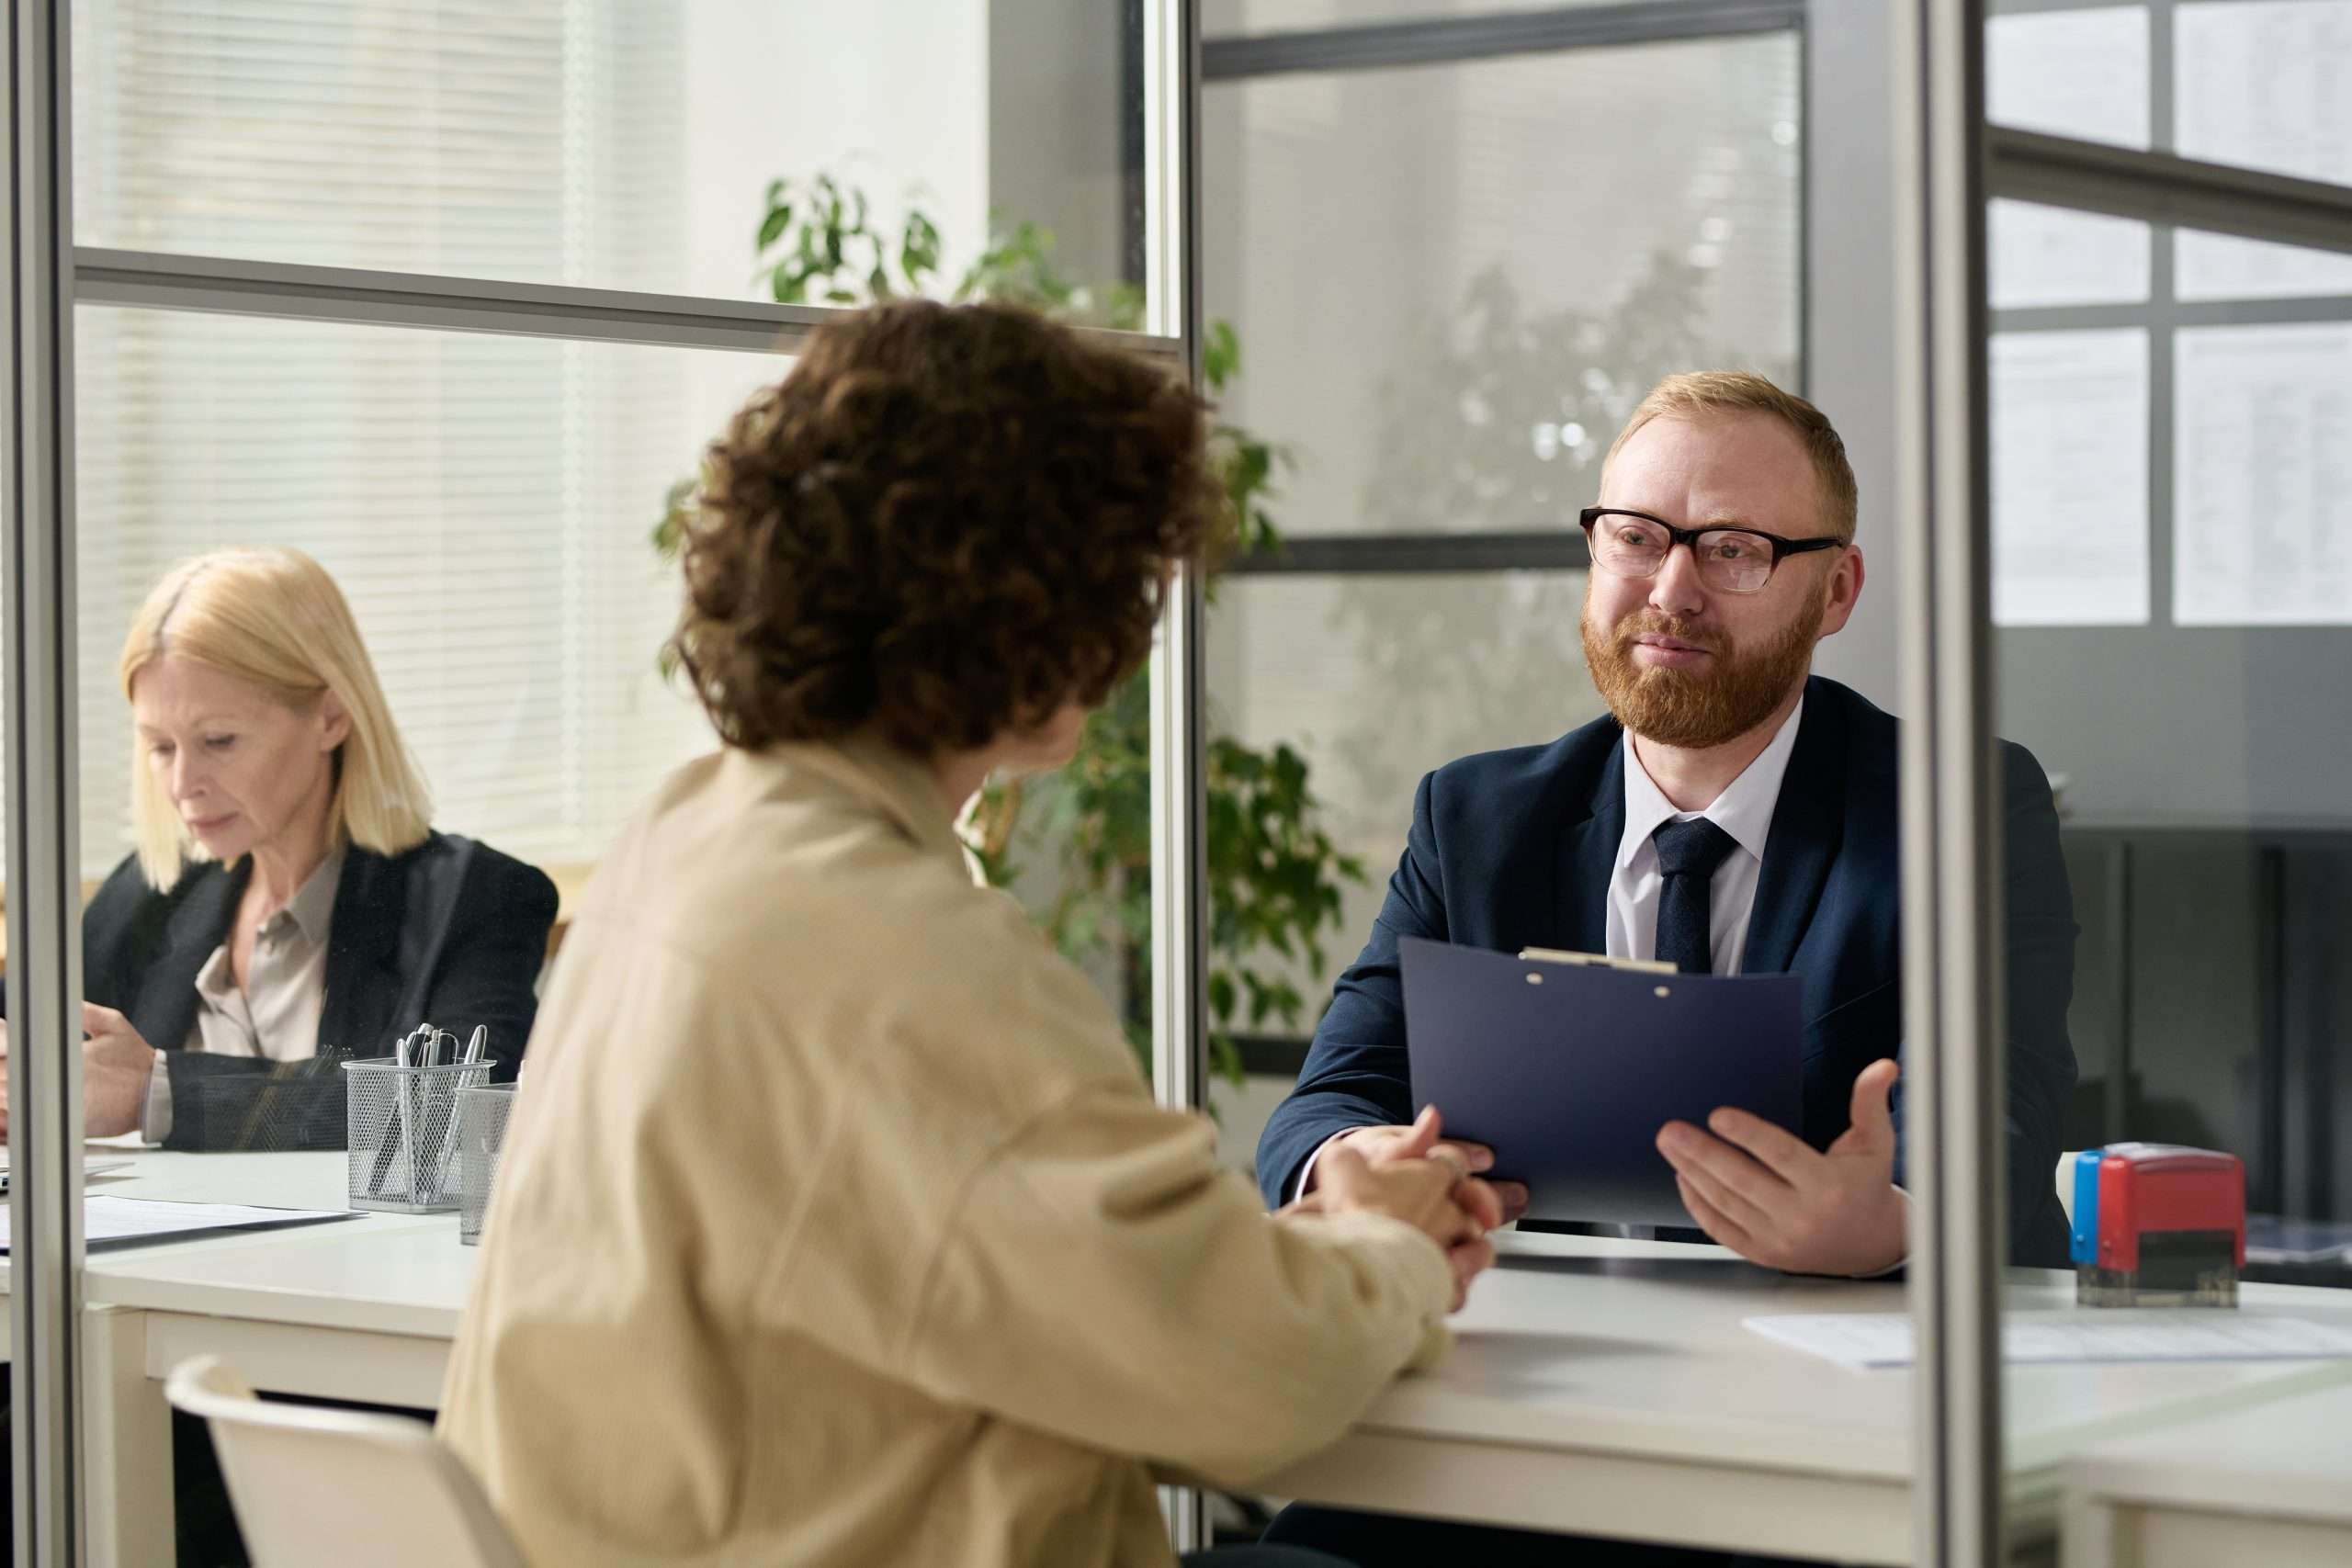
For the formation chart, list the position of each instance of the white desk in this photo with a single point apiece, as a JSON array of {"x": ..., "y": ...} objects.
[
  {"x": 1607, "y": 1387},
  {"x": 361, "y": 1309},
  {"x": 1604, "y": 1387},
  {"x": 2271, "y": 1485}
]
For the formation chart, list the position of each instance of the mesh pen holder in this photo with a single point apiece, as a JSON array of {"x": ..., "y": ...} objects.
[
  {"x": 403, "y": 1126},
  {"x": 481, "y": 1134}
]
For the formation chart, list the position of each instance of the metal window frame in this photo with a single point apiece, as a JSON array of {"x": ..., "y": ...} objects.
[
  {"x": 1178, "y": 717},
  {"x": 1448, "y": 40},
  {"x": 288, "y": 292},
  {"x": 1949, "y": 794},
  {"x": 2166, "y": 188},
  {"x": 44, "y": 881}
]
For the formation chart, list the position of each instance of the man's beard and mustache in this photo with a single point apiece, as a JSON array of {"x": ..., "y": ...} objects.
[{"x": 1723, "y": 699}]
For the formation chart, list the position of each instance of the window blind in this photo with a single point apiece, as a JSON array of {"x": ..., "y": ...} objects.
[{"x": 485, "y": 502}]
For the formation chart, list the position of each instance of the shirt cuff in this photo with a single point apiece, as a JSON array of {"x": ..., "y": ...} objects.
[
  {"x": 155, "y": 1118},
  {"x": 1307, "y": 1172},
  {"x": 1899, "y": 1264}
]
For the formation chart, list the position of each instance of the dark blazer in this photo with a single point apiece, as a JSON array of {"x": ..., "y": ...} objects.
[
  {"x": 451, "y": 931},
  {"x": 1514, "y": 849}
]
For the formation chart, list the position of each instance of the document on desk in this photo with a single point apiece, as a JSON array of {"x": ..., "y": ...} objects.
[
  {"x": 1568, "y": 1069},
  {"x": 110, "y": 1223},
  {"x": 1862, "y": 1340}
]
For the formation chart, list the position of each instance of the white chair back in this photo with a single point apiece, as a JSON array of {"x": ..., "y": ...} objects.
[{"x": 341, "y": 1486}]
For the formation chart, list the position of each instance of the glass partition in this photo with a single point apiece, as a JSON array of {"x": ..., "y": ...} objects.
[
  {"x": 2169, "y": 580},
  {"x": 499, "y": 513},
  {"x": 2170, "y": 571}
]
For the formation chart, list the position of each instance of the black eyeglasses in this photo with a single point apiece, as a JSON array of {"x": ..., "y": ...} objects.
[{"x": 1730, "y": 560}]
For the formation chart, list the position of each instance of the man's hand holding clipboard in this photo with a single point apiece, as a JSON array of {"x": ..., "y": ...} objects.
[{"x": 1773, "y": 1199}]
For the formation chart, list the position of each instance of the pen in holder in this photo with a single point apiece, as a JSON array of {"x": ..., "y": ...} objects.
[{"x": 403, "y": 1132}]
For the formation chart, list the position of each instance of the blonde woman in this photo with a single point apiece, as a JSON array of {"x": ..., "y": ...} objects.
[{"x": 288, "y": 895}]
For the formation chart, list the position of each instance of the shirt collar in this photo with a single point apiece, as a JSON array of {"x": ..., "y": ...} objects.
[
  {"x": 899, "y": 783},
  {"x": 312, "y": 906},
  {"x": 1744, "y": 809}
]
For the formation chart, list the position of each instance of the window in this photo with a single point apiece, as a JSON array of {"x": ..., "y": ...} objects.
[
  {"x": 603, "y": 143},
  {"x": 486, "y": 504}
]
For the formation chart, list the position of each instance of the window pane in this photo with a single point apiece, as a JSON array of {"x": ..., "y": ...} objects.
[
  {"x": 1220, "y": 17},
  {"x": 2070, "y": 478},
  {"x": 1447, "y": 294},
  {"x": 485, "y": 504},
  {"x": 2261, "y": 85},
  {"x": 2047, "y": 255},
  {"x": 2081, "y": 73},
  {"x": 614, "y": 143},
  {"x": 2262, "y": 486}
]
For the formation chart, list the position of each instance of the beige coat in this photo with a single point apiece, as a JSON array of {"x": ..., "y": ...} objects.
[{"x": 836, "y": 1225}]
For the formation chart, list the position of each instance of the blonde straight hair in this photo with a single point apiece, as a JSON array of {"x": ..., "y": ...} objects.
[
  {"x": 1697, "y": 393},
  {"x": 275, "y": 618}
]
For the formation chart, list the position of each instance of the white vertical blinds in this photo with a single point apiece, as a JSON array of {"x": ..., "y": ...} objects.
[{"x": 485, "y": 502}]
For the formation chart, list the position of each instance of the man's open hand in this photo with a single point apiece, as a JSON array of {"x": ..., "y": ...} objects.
[{"x": 1768, "y": 1197}]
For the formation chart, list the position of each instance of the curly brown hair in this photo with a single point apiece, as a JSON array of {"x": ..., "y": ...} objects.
[{"x": 946, "y": 523}]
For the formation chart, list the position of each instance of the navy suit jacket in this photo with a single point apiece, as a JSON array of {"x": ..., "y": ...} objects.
[
  {"x": 451, "y": 930},
  {"x": 1515, "y": 848}
]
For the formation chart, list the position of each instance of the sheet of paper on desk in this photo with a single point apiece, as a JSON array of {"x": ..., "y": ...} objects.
[
  {"x": 134, "y": 1221},
  {"x": 1860, "y": 1340}
]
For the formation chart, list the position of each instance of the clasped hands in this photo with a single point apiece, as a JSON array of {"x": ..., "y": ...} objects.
[
  {"x": 116, "y": 1065},
  {"x": 1410, "y": 1174},
  {"x": 1767, "y": 1195}
]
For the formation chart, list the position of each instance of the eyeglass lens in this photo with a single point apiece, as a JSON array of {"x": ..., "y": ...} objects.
[{"x": 1729, "y": 561}]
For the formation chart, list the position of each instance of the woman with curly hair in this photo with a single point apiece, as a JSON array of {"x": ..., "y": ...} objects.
[{"x": 836, "y": 1225}]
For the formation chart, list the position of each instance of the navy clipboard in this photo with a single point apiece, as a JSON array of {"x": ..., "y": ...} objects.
[{"x": 1568, "y": 1071}]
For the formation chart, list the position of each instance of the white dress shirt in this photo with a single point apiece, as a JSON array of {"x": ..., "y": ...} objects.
[{"x": 1743, "y": 810}]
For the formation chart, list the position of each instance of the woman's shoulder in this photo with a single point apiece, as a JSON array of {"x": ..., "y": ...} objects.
[
  {"x": 459, "y": 868},
  {"x": 129, "y": 915},
  {"x": 125, "y": 890}
]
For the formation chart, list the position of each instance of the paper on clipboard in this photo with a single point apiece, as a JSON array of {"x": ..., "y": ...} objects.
[{"x": 1568, "y": 1069}]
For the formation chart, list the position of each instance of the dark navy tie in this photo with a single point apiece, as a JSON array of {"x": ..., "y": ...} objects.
[{"x": 1688, "y": 853}]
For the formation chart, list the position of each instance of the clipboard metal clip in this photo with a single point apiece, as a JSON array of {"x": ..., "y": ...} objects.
[{"x": 1600, "y": 959}]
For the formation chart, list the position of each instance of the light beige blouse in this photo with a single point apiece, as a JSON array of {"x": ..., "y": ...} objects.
[
  {"x": 836, "y": 1226},
  {"x": 276, "y": 1014}
]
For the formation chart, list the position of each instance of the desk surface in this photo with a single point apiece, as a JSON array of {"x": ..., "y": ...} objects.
[
  {"x": 1594, "y": 1382},
  {"x": 1575, "y": 1338},
  {"x": 2292, "y": 1455},
  {"x": 1609, "y": 1387},
  {"x": 378, "y": 1272}
]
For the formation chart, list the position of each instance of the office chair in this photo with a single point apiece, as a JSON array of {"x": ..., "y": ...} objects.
[{"x": 363, "y": 1490}]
